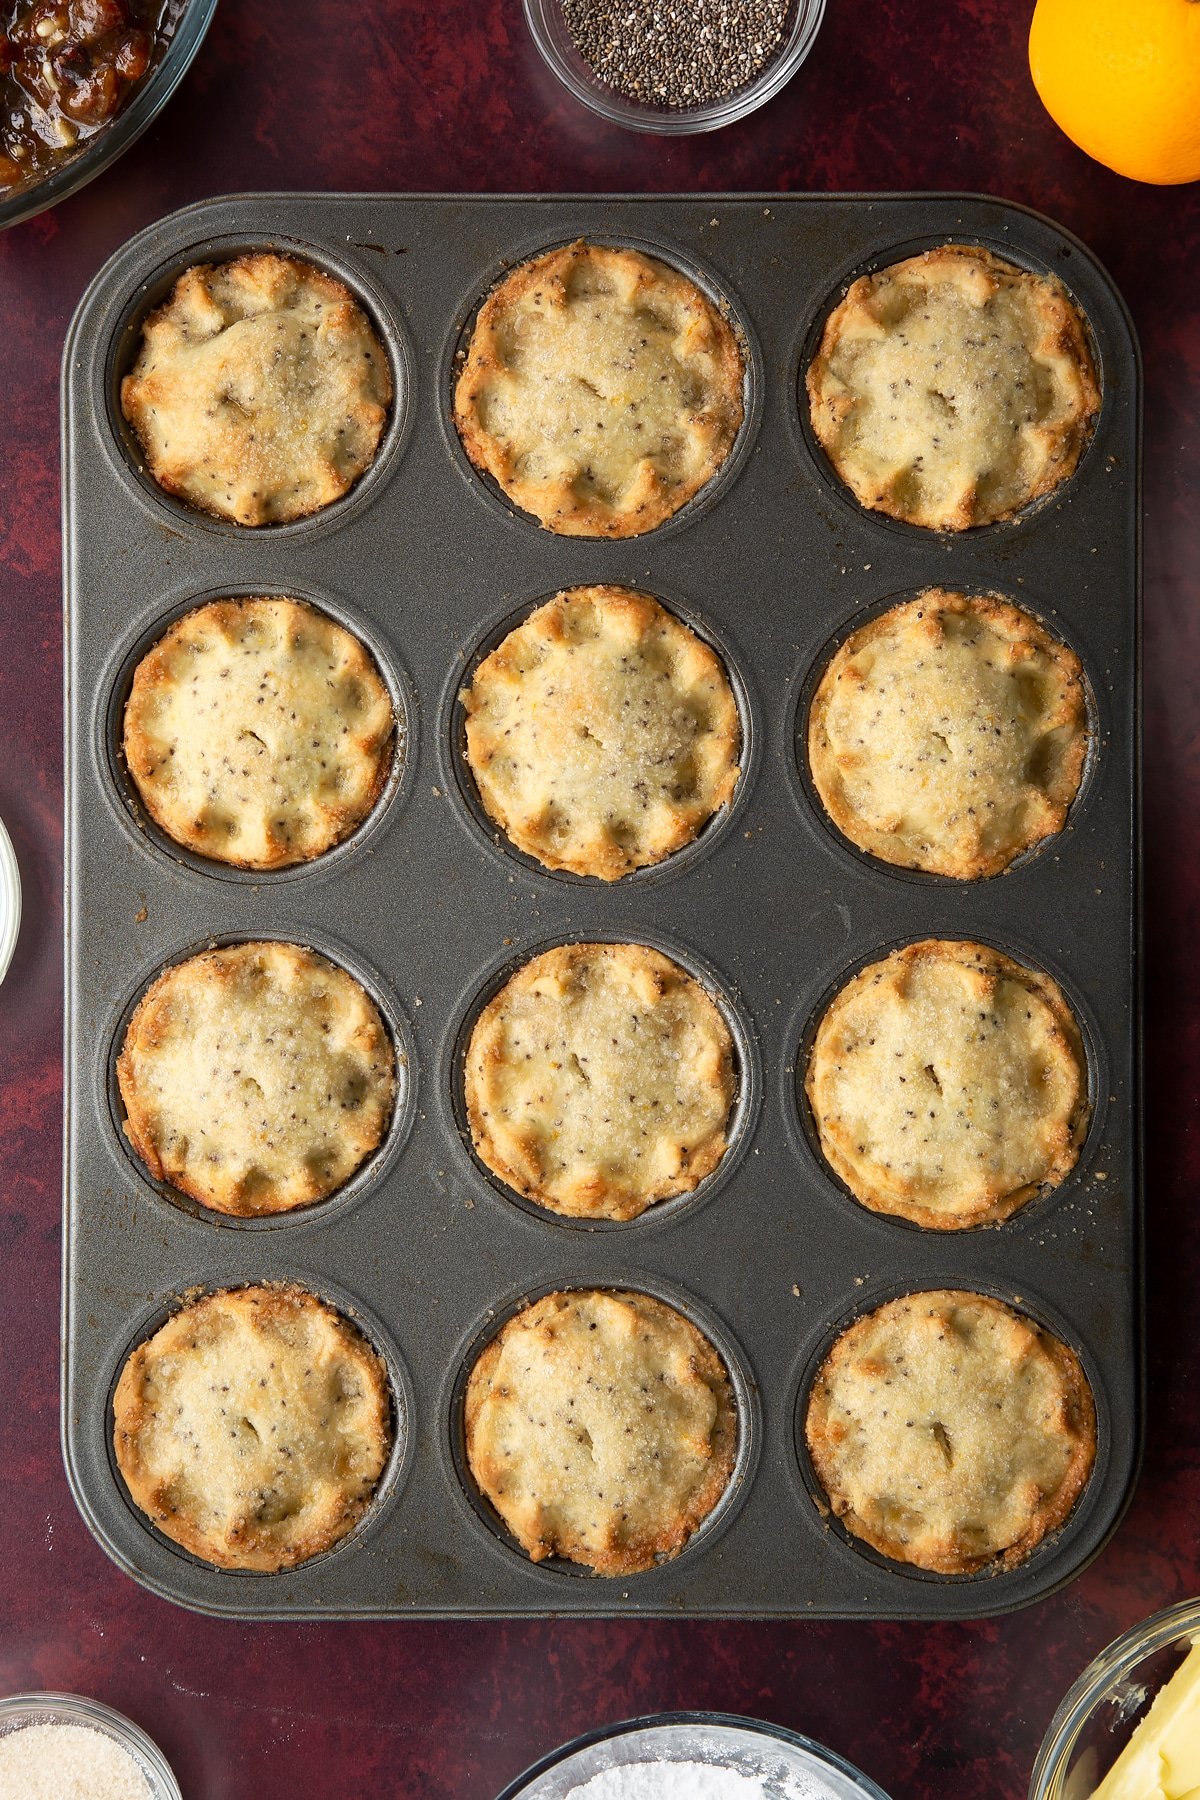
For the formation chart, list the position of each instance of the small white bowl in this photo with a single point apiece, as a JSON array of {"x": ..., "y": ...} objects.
[
  {"x": 794, "y": 1764},
  {"x": 10, "y": 900},
  {"x": 74, "y": 1709}
]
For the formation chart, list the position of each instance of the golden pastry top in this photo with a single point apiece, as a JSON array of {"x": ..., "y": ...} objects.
[
  {"x": 256, "y": 1078},
  {"x": 949, "y": 734},
  {"x": 602, "y": 733},
  {"x": 950, "y": 1431},
  {"x": 253, "y": 1426},
  {"x": 602, "y": 1428},
  {"x": 948, "y": 1084},
  {"x": 953, "y": 388},
  {"x": 600, "y": 1079},
  {"x": 601, "y": 390},
  {"x": 258, "y": 732},
  {"x": 260, "y": 391}
]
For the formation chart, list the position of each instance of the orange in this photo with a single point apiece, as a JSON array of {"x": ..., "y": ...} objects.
[{"x": 1122, "y": 79}]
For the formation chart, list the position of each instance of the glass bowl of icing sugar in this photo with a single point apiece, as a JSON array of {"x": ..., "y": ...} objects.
[{"x": 692, "y": 1756}]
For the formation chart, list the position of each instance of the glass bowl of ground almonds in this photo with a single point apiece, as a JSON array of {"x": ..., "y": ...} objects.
[
  {"x": 674, "y": 65},
  {"x": 66, "y": 1747}
]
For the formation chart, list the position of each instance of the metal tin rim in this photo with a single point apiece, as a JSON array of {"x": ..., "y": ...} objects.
[{"x": 796, "y": 635}]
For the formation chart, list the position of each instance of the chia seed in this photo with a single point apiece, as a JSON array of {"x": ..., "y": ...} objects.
[{"x": 676, "y": 53}]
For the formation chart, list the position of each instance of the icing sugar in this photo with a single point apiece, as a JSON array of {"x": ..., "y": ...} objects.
[{"x": 690, "y": 1781}]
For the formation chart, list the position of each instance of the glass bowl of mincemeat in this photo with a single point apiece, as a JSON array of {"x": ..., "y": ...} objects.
[
  {"x": 673, "y": 66},
  {"x": 79, "y": 81}
]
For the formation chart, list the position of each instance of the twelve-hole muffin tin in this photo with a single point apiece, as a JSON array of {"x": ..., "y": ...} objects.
[{"x": 774, "y": 563}]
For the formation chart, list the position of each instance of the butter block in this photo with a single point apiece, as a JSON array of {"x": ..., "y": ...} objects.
[{"x": 1161, "y": 1761}]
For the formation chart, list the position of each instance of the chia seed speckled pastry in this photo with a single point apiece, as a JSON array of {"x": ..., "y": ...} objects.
[
  {"x": 949, "y": 734},
  {"x": 602, "y": 1427},
  {"x": 601, "y": 390},
  {"x": 951, "y": 1432},
  {"x": 599, "y": 1080},
  {"x": 256, "y": 1078},
  {"x": 602, "y": 733},
  {"x": 258, "y": 732},
  {"x": 953, "y": 388},
  {"x": 948, "y": 1085},
  {"x": 253, "y": 1427},
  {"x": 260, "y": 391}
]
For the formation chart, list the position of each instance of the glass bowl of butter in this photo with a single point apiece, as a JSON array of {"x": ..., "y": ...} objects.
[{"x": 1130, "y": 1727}]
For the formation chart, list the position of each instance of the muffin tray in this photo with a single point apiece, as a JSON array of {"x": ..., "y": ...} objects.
[{"x": 774, "y": 562}]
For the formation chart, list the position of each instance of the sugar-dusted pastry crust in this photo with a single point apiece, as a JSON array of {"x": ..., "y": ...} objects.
[
  {"x": 600, "y": 1079},
  {"x": 256, "y": 1078},
  {"x": 253, "y": 1427},
  {"x": 949, "y": 734},
  {"x": 602, "y": 733},
  {"x": 951, "y": 1432},
  {"x": 948, "y": 1084},
  {"x": 953, "y": 388},
  {"x": 602, "y": 1427},
  {"x": 260, "y": 391},
  {"x": 258, "y": 732},
  {"x": 601, "y": 390}
]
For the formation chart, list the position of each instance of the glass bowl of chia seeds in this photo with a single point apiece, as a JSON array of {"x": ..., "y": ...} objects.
[{"x": 674, "y": 65}]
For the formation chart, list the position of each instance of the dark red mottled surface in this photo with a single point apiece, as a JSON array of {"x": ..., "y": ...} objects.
[{"x": 390, "y": 94}]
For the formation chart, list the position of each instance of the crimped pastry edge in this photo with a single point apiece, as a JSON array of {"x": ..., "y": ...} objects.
[
  {"x": 995, "y": 1207},
  {"x": 701, "y": 1162},
  {"x": 1079, "y": 1399},
  {"x": 672, "y": 1541},
  {"x": 1062, "y": 321},
  {"x": 262, "y": 1556},
  {"x": 724, "y": 742},
  {"x": 136, "y": 747},
  {"x": 555, "y": 505},
  {"x": 133, "y": 402},
  {"x": 1008, "y": 619},
  {"x": 137, "y": 1125}
]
